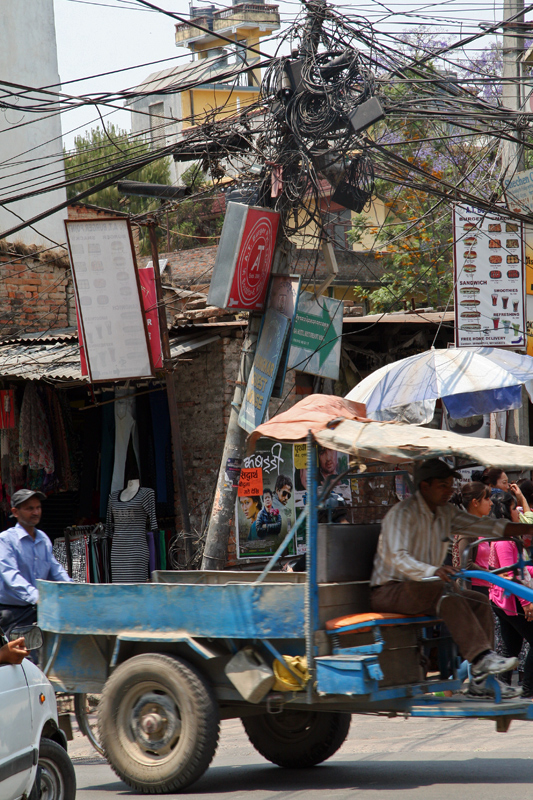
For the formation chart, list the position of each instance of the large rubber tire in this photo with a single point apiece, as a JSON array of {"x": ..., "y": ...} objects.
[
  {"x": 297, "y": 739},
  {"x": 57, "y": 776},
  {"x": 159, "y": 723},
  {"x": 86, "y": 711}
]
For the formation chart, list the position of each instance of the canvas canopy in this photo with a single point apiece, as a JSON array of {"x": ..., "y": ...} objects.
[
  {"x": 395, "y": 442},
  {"x": 392, "y": 442}
]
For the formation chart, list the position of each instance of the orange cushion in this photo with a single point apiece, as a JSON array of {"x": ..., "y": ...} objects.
[{"x": 372, "y": 616}]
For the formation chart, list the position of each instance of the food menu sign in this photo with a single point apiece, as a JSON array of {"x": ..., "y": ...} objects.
[
  {"x": 108, "y": 299},
  {"x": 489, "y": 279}
]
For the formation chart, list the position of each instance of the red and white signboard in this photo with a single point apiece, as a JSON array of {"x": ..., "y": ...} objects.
[
  {"x": 244, "y": 258},
  {"x": 149, "y": 299}
]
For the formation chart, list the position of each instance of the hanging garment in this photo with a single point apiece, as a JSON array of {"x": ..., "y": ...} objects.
[
  {"x": 35, "y": 442},
  {"x": 125, "y": 427},
  {"x": 7, "y": 408},
  {"x": 161, "y": 428},
  {"x": 106, "y": 459},
  {"x": 79, "y": 552},
  {"x": 128, "y": 522}
]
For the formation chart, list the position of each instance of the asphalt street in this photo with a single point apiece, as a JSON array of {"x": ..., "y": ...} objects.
[{"x": 382, "y": 758}]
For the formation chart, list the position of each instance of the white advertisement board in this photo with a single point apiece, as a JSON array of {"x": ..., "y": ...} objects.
[
  {"x": 489, "y": 279},
  {"x": 108, "y": 297}
]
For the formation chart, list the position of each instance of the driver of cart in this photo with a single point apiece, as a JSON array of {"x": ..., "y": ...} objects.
[
  {"x": 25, "y": 556},
  {"x": 412, "y": 548}
]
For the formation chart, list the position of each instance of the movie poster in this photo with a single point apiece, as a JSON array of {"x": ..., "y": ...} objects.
[{"x": 265, "y": 499}]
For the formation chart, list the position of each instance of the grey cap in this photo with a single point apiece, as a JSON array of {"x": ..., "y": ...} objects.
[
  {"x": 433, "y": 468},
  {"x": 17, "y": 498}
]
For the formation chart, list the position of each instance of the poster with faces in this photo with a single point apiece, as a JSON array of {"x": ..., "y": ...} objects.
[{"x": 108, "y": 299}]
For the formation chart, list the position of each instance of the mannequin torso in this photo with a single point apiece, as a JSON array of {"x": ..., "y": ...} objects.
[{"x": 130, "y": 491}]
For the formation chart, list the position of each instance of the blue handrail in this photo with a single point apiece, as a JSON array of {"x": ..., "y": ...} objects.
[{"x": 510, "y": 587}]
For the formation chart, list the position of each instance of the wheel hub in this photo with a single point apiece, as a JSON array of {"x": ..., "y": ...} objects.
[{"x": 155, "y": 723}]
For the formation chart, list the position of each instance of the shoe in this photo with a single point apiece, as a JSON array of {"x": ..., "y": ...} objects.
[
  {"x": 478, "y": 688},
  {"x": 492, "y": 664}
]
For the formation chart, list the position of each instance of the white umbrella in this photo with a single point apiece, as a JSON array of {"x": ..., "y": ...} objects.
[{"x": 470, "y": 381}]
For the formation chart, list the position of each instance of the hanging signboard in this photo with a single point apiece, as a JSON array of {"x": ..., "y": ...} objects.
[
  {"x": 244, "y": 258},
  {"x": 264, "y": 369},
  {"x": 317, "y": 335},
  {"x": 489, "y": 279},
  {"x": 108, "y": 299},
  {"x": 149, "y": 300},
  {"x": 283, "y": 297}
]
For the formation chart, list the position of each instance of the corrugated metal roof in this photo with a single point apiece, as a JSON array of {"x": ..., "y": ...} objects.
[
  {"x": 60, "y": 361},
  {"x": 51, "y": 335},
  {"x": 32, "y": 362}
]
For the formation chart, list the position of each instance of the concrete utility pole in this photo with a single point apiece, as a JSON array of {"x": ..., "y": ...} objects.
[
  {"x": 513, "y": 156},
  {"x": 223, "y": 511},
  {"x": 513, "y": 48}
]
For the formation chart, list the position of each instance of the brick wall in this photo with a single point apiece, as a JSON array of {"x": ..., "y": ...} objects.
[
  {"x": 205, "y": 382},
  {"x": 34, "y": 291}
]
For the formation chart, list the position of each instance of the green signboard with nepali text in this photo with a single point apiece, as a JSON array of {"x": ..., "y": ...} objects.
[{"x": 316, "y": 337}]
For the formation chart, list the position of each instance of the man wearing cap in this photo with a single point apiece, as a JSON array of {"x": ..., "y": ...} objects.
[
  {"x": 412, "y": 548},
  {"x": 25, "y": 556}
]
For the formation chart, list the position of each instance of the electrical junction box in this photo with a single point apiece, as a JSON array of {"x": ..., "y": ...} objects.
[{"x": 244, "y": 258}]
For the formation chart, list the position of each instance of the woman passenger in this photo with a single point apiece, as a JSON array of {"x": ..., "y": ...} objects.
[
  {"x": 515, "y": 615},
  {"x": 475, "y": 498}
]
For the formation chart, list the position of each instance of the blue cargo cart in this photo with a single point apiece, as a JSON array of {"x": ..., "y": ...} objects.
[{"x": 294, "y": 655}]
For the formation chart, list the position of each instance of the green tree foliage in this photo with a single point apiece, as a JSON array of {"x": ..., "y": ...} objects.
[
  {"x": 414, "y": 240},
  {"x": 198, "y": 222},
  {"x": 97, "y": 150}
]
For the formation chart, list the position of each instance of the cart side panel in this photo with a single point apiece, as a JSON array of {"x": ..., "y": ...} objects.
[{"x": 235, "y": 611}]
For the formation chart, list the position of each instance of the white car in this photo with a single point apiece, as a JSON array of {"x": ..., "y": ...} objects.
[{"x": 34, "y": 764}]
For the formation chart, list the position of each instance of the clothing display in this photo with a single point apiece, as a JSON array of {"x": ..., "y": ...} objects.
[
  {"x": 35, "y": 441},
  {"x": 128, "y": 523},
  {"x": 125, "y": 428}
]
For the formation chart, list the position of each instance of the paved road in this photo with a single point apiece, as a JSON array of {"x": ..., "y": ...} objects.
[{"x": 381, "y": 759}]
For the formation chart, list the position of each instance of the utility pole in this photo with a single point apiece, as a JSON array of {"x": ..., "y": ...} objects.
[
  {"x": 513, "y": 155},
  {"x": 513, "y": 48},
  {"x": 223, "y": 510},
  {"x": 177, "y": 449}
]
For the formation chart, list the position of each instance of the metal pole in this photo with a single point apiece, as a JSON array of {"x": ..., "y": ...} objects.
[
  {"x": 311, "y": 589},
  {"x": 513, "y": 47},
  {"x": 218, "y": 532},
  {"x": 177, "y": 449},
  {"x": 513, "y": 155}
]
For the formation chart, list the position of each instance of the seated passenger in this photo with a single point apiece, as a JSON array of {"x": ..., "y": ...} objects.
[{"x": 413, "y": 546}]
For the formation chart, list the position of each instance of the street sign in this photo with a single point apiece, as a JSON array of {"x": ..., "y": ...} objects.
[
  {"x": 519, "y": 194},
  {"x": 263, "y": 373},
  {"x": 244, "y": 258},
  {"x": 317, "y": 335}
]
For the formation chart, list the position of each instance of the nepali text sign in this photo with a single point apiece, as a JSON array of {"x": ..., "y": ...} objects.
[
  {"x": 108, "y": 299},
  {"x": 316, "y": 337},
  {"x": 489, "y": 279},
  {"x": 263, "y": 373}
]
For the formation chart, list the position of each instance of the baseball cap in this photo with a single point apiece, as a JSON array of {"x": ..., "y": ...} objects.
[
  {"x": 17, "y": 498},
  {"x": 433, "y": 468}
]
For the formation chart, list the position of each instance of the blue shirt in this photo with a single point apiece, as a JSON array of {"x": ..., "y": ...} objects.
[{"x": 23, "y": 561}]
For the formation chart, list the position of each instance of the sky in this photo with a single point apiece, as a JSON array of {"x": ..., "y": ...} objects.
[{"x": 95, "y": 36}]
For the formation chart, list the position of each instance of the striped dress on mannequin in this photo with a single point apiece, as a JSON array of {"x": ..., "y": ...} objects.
[{"x": 128, "y": 522}]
